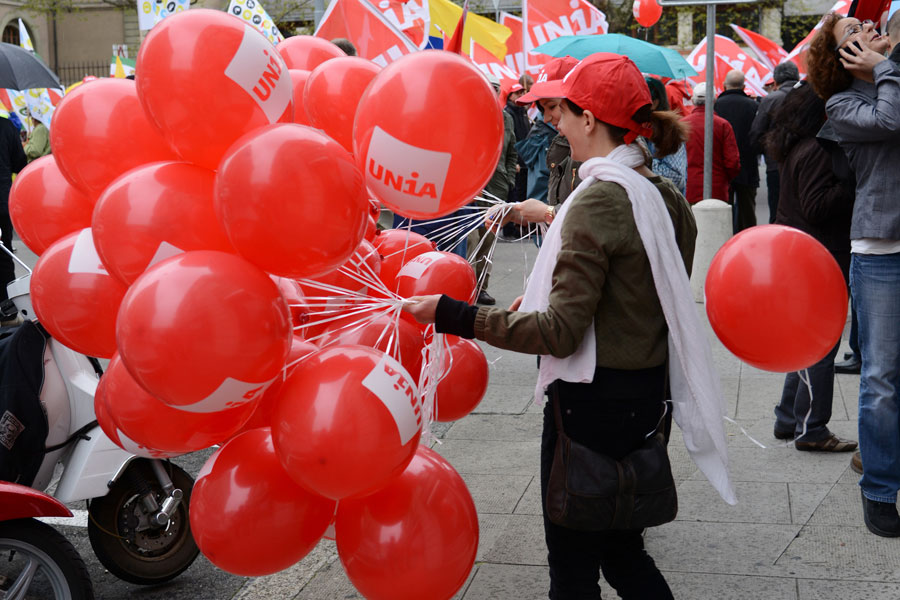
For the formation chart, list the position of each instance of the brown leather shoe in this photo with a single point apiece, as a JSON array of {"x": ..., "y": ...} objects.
[
  {"x": 856, "y": 462},
  {"x": 830, "y": 444}
]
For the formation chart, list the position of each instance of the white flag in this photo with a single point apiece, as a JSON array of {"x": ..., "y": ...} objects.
[
  {"x": 253, "y": 13},
  {"x": 151, "y": 12},
  {"x": 24, "y": 38},
  {"x": 39, "y": 105}
]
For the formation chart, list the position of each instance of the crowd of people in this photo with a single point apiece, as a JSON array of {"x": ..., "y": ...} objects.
[{"x": 597, "y": 310}]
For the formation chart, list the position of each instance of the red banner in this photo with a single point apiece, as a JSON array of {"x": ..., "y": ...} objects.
[
  {"x": 488, "y": 63},
  {"x": 768, "y": 52},
  {"x": 410, "y": 17},
  {"x": 729, "y": 56},
  {"x": 370, "y": 31},
  {"x": 515, "y": 55}
]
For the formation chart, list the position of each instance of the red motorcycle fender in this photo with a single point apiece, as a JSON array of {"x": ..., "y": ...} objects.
[{"x": 21, "y": 502}]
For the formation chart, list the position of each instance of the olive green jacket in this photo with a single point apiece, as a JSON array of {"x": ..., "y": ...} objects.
[{"x": 602, "y": 274}]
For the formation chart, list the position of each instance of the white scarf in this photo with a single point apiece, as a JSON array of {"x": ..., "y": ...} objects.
[{"x": 696, "y": 392}]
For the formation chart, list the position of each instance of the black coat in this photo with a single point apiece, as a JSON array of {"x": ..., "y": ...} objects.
[
  {"x": 763, "y": 119},
  {"x": 12, "y": 156},
  {"x": 739, "y": 110},
  {"x": 520, "y": 119}
]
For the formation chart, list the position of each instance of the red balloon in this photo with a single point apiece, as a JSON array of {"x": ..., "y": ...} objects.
[
  {"x": 247, "y": 516},
  {"x": 206, "y": 79},
  {"x": 44, "y": 206},
  {"x": 110, "y": 430},
  {"x": 776, "y": 298},
  {"x": 437, "y": 273},
  {"x": 647, "y": 12},
  {"x": 292, "y": 200},
  {"x": 417, "y": 161},
  {"x": 465, "y": 382},
  {"x": 415, "y": 538},
  {"x": 365, "y": 264},
  {"x": 293, "y": 297},
  {"x": 75, "y": 298},
  {"x": 396, "y": 337},
  {"x": 349, "y": 418},
  {"x": 371, "y": 229},
  {"x": 262, "y": 416},
  {"x": 332, "y": 94},
  {"x": 204, "y": 331},
  {"x": 155, "y": 425},
  {"x": 298, "y": 82},
  {"x": 397, "y": 247},
  {"x": 307, "y": 51},
  {"x": 154, "y": 212},
  {"x": 99, "y": 132}
]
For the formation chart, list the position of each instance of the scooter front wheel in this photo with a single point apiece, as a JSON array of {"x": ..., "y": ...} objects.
[
  {"x": 123, "y": 536},
  {"x": 37, "y": 562}
]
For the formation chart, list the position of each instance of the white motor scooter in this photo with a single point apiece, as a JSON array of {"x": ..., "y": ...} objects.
[{"x": 138, "y": 508}]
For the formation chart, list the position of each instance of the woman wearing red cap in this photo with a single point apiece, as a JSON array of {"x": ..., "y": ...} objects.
[{"x": 608, "y": 307}]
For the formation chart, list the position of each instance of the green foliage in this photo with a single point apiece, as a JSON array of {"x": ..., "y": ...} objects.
[{"x": 794, "y": 29}]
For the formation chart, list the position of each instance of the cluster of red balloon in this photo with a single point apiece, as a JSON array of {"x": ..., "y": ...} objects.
[
  {"x": 173, "y": 222},
  {"x": 776, "y": 298}
]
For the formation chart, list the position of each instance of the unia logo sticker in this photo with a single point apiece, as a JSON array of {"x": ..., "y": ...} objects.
[
  {"x": 417, "y": 266},
  {"x": 260, "y": 71},
  {"x": 411, "y": 177},
  {"x": 84, "y": 258},
  {"x": 230, "y": 394},
  {"x": 393, "y": 385}
]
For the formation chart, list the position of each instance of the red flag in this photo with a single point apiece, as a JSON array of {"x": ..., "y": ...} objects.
[
  {"x": 798, "y": 54},
  {"x": 729, "y": 56},
  {"x": 768, "y": 52},
  {"x": 515, "y": 53},
  {"x": 870, "y": 10},
  {"x": 364, "y": 25},
  {"x": 454, "y": 44},
  {"x": 488, "y": 63},
  {"x": 409, "y": 16},
  {"x": 550, "y": 19}
]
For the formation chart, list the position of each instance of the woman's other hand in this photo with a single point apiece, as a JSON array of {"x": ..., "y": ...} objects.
[
  {"x": 516, "y": 303},
  {"x": 422, "y": 308},
  {"x": 532, "y": 211},
  {"x": 859, "y": 58}
]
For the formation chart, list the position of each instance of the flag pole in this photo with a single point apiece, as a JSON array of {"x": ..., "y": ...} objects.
[{"x": 525, "y": 36}]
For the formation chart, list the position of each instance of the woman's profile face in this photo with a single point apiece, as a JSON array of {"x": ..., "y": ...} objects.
[
  {"x": 570, "y": 125},
  {"x": 850, "y": 29},
  {"x": 551, "y": 108}
]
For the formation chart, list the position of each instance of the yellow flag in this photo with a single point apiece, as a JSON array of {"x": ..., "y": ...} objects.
[
  {"x": 120, "y": 69},
  {"x": 487, "y": 33}
]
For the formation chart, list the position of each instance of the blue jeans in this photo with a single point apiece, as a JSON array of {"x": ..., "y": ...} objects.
[{"x": 875, "y": 284}]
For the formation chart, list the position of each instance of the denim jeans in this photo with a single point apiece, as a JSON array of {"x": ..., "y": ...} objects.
[
  {"x": 611, "y": 415},
  {"x": 875, "y": 284},
  {"x": 791, "y": 411}
]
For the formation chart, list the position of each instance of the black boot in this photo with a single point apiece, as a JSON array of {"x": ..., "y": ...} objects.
[{"x": 881, "y": 517}]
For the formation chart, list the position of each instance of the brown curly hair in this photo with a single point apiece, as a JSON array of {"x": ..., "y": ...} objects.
[{"x": 824, "y": 71}]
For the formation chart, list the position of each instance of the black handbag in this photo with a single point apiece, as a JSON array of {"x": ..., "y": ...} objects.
[{"x": 590, "y": 491}]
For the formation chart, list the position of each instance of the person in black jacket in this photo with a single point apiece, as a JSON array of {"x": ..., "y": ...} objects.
[
  {"x": 786, "y": 76},
  {"x": 739, "y": 110},
  {"x": 12, "y": 160}
]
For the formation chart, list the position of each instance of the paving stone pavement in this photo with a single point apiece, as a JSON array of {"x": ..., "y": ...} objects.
[{"x": 796, "y": 533}]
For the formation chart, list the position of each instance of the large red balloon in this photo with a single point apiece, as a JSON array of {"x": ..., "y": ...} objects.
[
  {"x": 206, "y": 79},
  {"x": 417, "y": 161},
  {"x": 399, "y": 338},
  {"x": 74, "y": 296},
  {"x": 298, "y": 83},
  {"x": 349, "y": 418},
  {"x": 307, "y": 51},
  {"x": 354, "y": 275},
  {"x": 465, "y": 381},
  {"x": 292, "y": 200},
  {"x": 247, "y": 516},
  {"x": 99, "y": 132},
  {"x": 154, "y": 424},
  {"x": 154, "y": 212},
  {"x": 397, "y": 247},
  {"x": 204, "y": 331},
  {"x": 415, "y": 538},
  {"x": 332, "y": 94},
  {"x": 776, "y": 298},
  {"x": 437, "y": 273},
  {"x": 44, "y": 206},
  {"x": 111, "y": 430}
]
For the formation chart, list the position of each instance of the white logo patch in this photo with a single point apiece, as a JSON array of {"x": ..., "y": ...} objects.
[
  {"x": 417, "y": 266},
  {"x": 394, "y": 386},
  {"x": 84, "y": 258},
  {"x": 261, "y": 72},
  {"x": 230, "y": 394}
]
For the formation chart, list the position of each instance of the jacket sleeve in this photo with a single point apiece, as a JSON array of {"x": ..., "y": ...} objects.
[
  {"x": 512, "y": 157},
  {"x": 730, "y": 154},
  {"x": 35, "y": 145},
  {"x": 760, "y": 125},
  {"x": 856, "y": 120},
  {"x": 18, "y": 160},
  {"x": 592, "y": 232},
  {"x": 821, "y": 194}
]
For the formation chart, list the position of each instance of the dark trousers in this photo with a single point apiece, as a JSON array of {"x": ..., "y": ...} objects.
[
  {"x": 743, "y": 206},
  {"x": 794, "y": 405},
  {"x": 611, "y": 415},
  {"x": 7, "y": 267},
  {"x": 773, "y": 185}
]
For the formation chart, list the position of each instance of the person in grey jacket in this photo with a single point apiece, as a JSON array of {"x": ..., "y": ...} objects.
[
  {"x": 786, "y": 76},
  {"x": 861, "y": 86}
]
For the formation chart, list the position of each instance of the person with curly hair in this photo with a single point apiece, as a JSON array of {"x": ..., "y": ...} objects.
[{"x": 847, "y": 67}]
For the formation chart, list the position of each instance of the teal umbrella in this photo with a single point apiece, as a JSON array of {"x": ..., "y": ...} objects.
[{"x": 648, "y": 57}]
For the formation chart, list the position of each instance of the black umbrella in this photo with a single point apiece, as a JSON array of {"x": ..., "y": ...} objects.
[{"x": 22, "y": 70}]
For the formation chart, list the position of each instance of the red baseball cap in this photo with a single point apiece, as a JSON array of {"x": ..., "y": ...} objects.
[
  {"x": 608, "y": 85},
  {"x": 516, "y": 87},
  {"x": 554, "y": 70}
]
